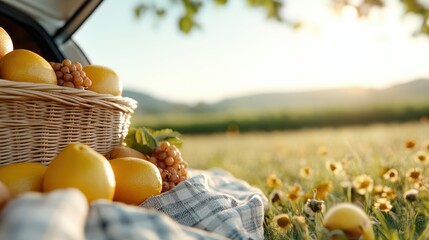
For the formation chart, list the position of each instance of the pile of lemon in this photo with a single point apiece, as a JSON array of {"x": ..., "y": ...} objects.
[
  {"x": 129, "y": 180},
  {"x": 23, "y": 65}
]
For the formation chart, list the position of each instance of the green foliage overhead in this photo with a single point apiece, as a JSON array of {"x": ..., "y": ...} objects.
[{"x": 273, "y": 8}]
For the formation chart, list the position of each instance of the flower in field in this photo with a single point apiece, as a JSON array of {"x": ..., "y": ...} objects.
[
  {"x": 383, "y": 205},
  {"x": 421, "y": 185},
  {"x": 322, "y": 150},
  {"x": 410, "y": 144},
  {"x": 313, "y": 206},
  {"x": 378, "y": 189},
  {"x": 282, "y": 222},
  {"x": 421, "y": 157},
  {"x": 294, "y": 192},
  {"x": 391, "y": 175},
  {"x": 276, "y": 196},
  {"x": 306, "y": 172},
  {"x": 273, "y": 181},
  {"x": 334, "y": 167},
  {"x": 323, "y": 189},
  {"x": 388, "y": 192},
  {"x": 414, "y": 174},
  {"x": 363, "y": 184},
  {"x": 411, "y": 195}
]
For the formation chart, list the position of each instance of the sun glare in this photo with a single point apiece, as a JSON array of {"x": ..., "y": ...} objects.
[{"x": 344, "y": 45}]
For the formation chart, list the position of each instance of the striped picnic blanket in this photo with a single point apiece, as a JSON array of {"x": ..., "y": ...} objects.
[{"x": 212, "y": 204}]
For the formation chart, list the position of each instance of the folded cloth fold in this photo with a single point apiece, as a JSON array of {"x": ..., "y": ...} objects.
[
  {"x": 217, "y": 202},
  {"x": 58, "y": 215},
  {"x": 108, "y": 220},
  {"x": 210, "y": 205}
]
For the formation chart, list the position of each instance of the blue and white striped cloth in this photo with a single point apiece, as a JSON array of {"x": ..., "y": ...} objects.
[{"x": 212, "y": 204}]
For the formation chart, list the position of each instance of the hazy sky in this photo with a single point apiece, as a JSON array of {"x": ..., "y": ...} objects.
[{"x": 239, "y": 52}]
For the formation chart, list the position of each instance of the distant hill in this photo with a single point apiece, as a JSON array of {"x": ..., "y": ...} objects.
[
  {"x": 413, "y": 91},
  {"x": 153, "y": 105}
]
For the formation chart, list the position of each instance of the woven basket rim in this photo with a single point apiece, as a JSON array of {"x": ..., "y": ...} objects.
[{"x": 14, "y": 90}]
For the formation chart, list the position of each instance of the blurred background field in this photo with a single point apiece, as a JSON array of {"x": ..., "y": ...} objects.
[{"x": 253, "y": 156}]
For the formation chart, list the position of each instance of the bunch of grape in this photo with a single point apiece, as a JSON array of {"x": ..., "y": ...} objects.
[
  {"x": 71, "y": 74},
  {"x": 173, "y": 168}
]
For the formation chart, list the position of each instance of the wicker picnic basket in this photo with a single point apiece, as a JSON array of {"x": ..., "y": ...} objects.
[{"x": 38, "y": 120}]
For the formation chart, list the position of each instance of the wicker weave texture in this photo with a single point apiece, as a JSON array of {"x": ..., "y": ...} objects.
[{"x": 38, "y": 120}]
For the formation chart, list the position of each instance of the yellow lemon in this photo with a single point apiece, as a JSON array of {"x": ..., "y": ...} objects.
[
  {"x": 23, "y": 177},
  {"x": 104, "y": 80},
  {"x": 6, "y": 44},
  {"x": 136, "y": 180},
  {"x": 79, "y": 166},
  {"x": 23, "y": 65},
  {"x": 351, "y": 219}
]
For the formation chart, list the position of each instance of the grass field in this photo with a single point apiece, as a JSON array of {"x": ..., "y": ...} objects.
[{"x": 335, "y": 160}]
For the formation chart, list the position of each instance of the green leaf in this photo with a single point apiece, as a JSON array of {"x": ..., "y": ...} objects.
[
  {"x": 149, "y": 139},
  {"x": 169, "y": 135},
  {"x": 160, "y": 12},
  {"x": 221, "y": 2},
  {"x": 185, "y": 24},
  {"x": 139, "y": 10},
  {"x": 145, "y": 139},
  {"x": 141, "y": 140}
]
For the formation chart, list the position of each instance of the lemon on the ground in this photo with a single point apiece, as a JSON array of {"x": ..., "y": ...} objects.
[
  {"x": 5, "y": 195},
  {"x": 26, "y": 66},
  {"x": 136, "y": 180},
  {"x": 351, "y": 219},
  {"x": 6, "y": 44},
  {"x": 79, "y": 166},
  {"x": 104, "y": 80},
  {"x": 23, "y": 177}
]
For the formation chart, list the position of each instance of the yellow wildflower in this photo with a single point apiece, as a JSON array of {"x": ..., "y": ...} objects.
[
  {"x": 334, "y": 167},
  {"x": 306, "y": 172},
  {"x": 273, "y": 181},
  {"x": 383, "y": 205},
  {"x": 322, "y": 150},
  {"x": 378, "y": 189},
  {"x": 421, "y": 185},
  {"x": 294, "y": 193},
  {"x": 323, "y": 189},
  {"x": 363, "y": 184},
  {"x": 391, "y": 175},
  {"x": 282, "y": 222},
  {"x": 410, "y": 144},
  {"x": 388, "y": 192},
  {"x": 421, "y": 157},
  {"x": 414, "y": 174}
]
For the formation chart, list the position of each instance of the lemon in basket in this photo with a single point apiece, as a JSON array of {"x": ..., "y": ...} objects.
[
  {"x": 23, "y": 177},
  {"x": 26, "y": 66},
  {"x": 79, "y": 166},
  {"x": 6, "y": 44},
  {"x": 104, "y": 80},
  {"x": 136, "y": 180}
]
